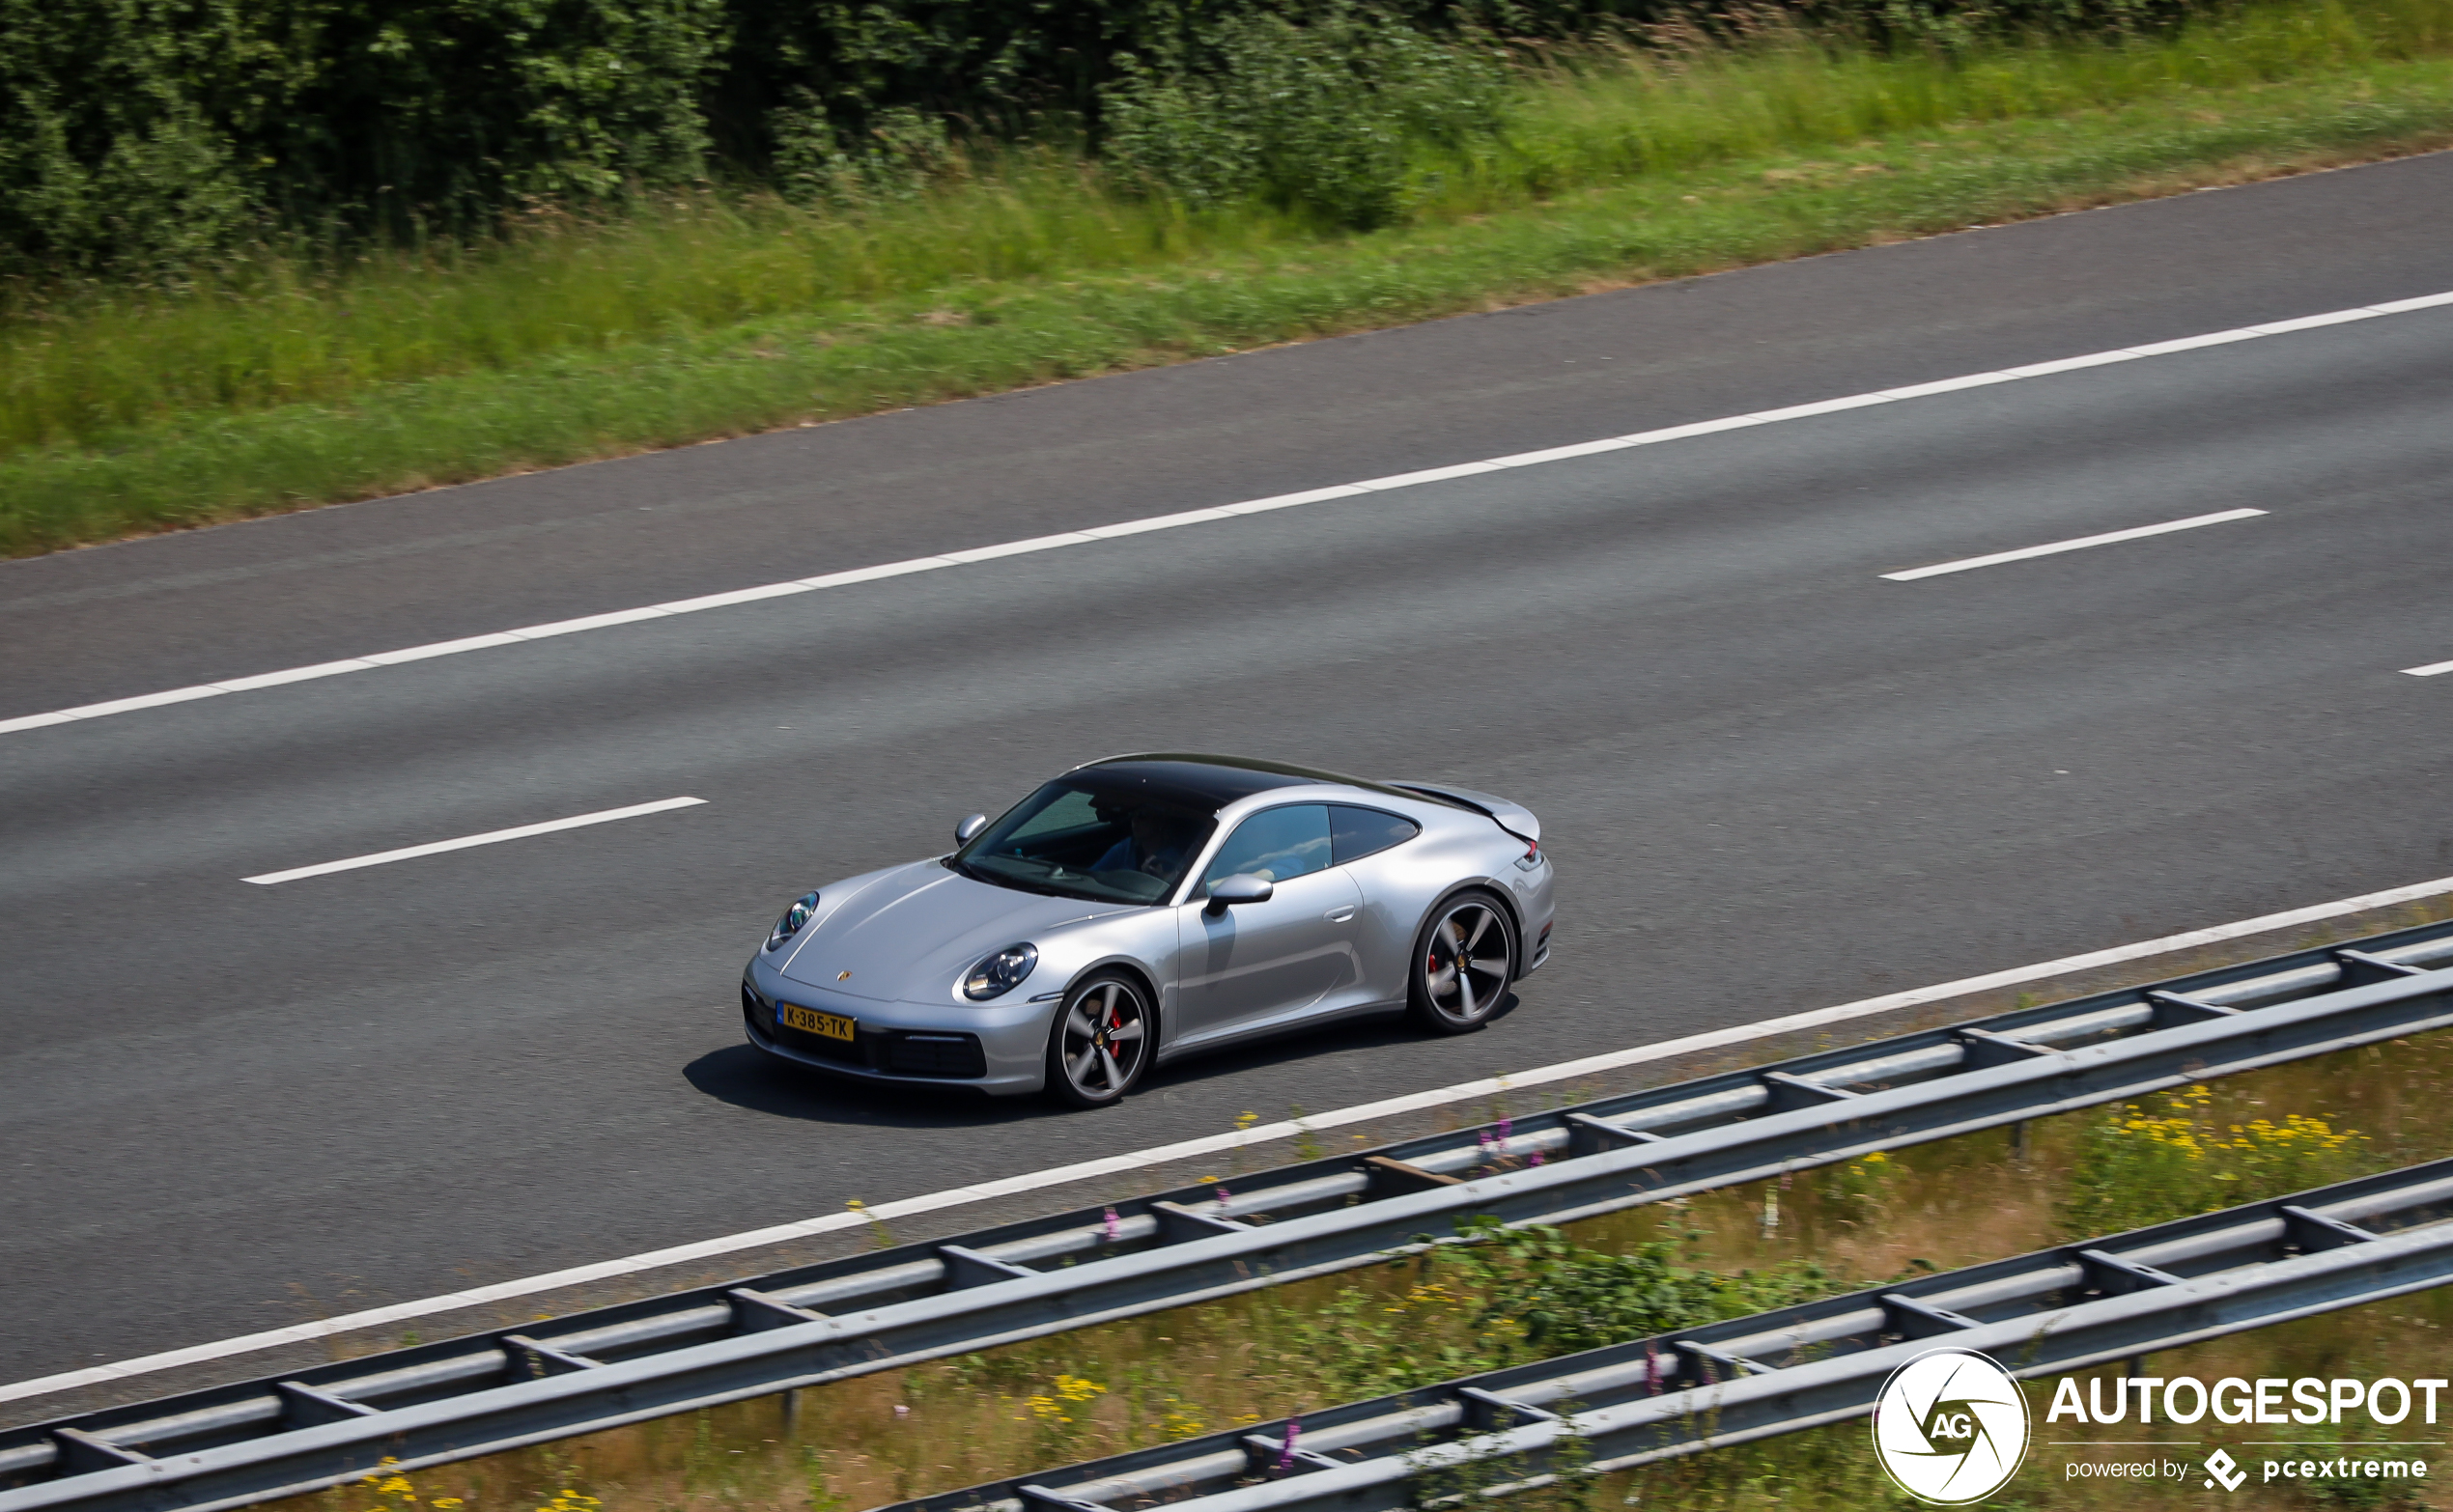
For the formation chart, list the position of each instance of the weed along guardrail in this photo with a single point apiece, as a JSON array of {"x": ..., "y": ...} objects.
[
  {"x": 229, "y": 1446},
  {"x": 1613, "y": 1409}
]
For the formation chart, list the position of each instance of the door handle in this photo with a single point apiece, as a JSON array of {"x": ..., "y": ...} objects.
[{"x": 1341, "y": 914}]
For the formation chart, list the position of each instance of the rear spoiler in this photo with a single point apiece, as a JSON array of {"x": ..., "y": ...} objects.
[{"x": 1514, "y": 818}]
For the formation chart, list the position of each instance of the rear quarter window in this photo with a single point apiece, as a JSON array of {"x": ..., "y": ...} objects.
[{"x": 1357, "y": 832}]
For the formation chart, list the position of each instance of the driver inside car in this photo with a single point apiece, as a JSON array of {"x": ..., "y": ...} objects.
[{"x": 1155, "y": 848}]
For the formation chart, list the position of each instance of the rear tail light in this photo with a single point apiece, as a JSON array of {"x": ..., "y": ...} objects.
[{"x": 1532, "y": 856}]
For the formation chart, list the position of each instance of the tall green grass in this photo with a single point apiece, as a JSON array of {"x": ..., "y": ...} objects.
[{"x": 284, "y": 378}]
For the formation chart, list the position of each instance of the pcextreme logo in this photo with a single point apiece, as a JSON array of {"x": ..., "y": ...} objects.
[{"x": 1950, "y": 1427}]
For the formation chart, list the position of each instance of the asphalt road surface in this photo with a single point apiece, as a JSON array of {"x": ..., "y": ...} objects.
[{"x": 1771, "y": 779}]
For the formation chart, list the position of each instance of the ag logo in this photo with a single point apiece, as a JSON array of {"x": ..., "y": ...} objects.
[{"x": 1950, "y": 1427}]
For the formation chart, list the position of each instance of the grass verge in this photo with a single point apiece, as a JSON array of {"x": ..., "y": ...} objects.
[
  {"x": 277, "y": 388},
  {"x": 1309, "y": 1345}
]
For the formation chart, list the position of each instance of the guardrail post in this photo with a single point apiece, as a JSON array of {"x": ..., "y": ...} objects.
[
  {"x": 2310, "y": 1232},
  {"x": 1700, "y": 1364},
  {"x": 1177, "y": 1223},
  {"x": 1790, "y": 1093},
  {"x": 2172, "y": 1010},
  {"x": 1270, "y": 1457},
  {"x": 80, "y": 1451},
  {"x": 1983, "y": 1048},
  {"x": 2363, "y": 969},
  {"x": 305, "y": 1406},
  {"x": 529, "y": 1359},
  {"x": 2111, "y": 1275},
  {"x": 1591, "y": 1135},
  {"x": 1911, "y": 1319},
  {"x": 755, "y": 1312},
  {"x": 967, "y": 1268},
  {"x": 1483, "y": 1412},
  {"x": 1394, "y": 1178}
]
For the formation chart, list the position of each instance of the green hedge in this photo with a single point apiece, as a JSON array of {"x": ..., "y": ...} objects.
[{"x": 139, "y": 136}]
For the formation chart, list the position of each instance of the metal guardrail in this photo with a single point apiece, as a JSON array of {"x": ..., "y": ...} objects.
[
  {"x": 2048, "y": 1313},
  {"x": 229, "y": 1446}
]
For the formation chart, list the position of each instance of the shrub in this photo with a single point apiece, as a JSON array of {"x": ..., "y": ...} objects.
[
  {"x": 1336, "y": 117},
  {"x": 146, "y": 134}
]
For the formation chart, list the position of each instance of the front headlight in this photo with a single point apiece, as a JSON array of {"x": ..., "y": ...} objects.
[
  {"x": 1000, "y": 973},
  {"x": 793, "y": 918}
]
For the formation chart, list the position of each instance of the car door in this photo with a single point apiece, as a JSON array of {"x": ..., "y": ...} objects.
[
  {"x": 1252, "y": 964},
  {"x": 1369, "y": 844}
]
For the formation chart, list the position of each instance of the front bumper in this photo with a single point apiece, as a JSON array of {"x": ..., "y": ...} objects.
[{"x": 998, "y": 1048}]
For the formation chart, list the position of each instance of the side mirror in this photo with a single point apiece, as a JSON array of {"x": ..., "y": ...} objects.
[
  {"x": 970, "y": 827},
  {"x": 1242, "y": 888}
]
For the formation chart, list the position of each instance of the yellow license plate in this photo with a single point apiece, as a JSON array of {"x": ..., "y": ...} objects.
[{"x": 809, "y": 1020}]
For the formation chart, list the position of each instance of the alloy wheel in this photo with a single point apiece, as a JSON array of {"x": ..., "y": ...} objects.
[
  {"x": 1102, "y": 1039},
  {"x": 1466, "y": 961}
]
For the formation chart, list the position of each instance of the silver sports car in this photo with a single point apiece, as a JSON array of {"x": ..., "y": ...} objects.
[{"x": 1146, "y": 908}]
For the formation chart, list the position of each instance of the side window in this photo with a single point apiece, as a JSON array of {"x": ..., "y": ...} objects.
[
  {"x": 1358, "y": 833},
  {"x": 1276, "y": 843}
]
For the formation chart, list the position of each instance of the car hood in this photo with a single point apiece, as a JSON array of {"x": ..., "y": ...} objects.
[{"x": 908, "y": 932}]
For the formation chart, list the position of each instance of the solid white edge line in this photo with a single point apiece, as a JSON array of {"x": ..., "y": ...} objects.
[
  {"x": 2309, "y": 323},
  {"x": 588, "y": 622},
  {"x": 2079, "y": 544},
  {"x": 1136, "y": 527},
  {"x": 870, "y": 574},
  {"x": 1099, "y": 532},
  {"x": 174, "y": 695},
  {"x": 1948, "y": 385},
  {"x": 241, "y": 685},
  {"x": 2161, "y": 348},
  {"x": 1214, "y": 1144},
  {"x": 989, "y": 553},
  {"x": 1342, "y": 490},
  {"x": 2093, "y": 359},
  {"x": 490, "y": 837},
  {"x": 2432, "y": 669},
  {"x": 1407, "y": 480},
  {"x": 444, "y": 647},
  {"x": 726, "y": 601}
]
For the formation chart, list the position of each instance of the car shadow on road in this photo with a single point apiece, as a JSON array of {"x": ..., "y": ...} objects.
[{"x": 745, "y": 1077}]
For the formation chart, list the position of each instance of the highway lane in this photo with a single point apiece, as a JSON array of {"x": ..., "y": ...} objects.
[
  {"x": 205, "y": 605},
  {"x": 1774, "y": 781}
]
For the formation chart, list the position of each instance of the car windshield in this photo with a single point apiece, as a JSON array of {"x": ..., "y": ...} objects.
[{"x": 1079, "y": 837}]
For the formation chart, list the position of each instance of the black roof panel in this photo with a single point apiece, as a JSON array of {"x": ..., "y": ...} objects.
[{"x": 1195, "y": 777}]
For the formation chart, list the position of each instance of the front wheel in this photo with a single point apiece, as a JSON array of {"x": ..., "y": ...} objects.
[
  {"x": 1100, "y": 1042},
  {"x": 1463, "y": 960}
]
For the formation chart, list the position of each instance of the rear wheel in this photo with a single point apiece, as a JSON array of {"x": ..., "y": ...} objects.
[
  {"x": 1464, "y": 958},
  {"x": 1100, "y": 1042}
]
